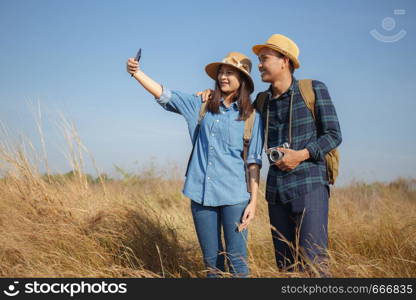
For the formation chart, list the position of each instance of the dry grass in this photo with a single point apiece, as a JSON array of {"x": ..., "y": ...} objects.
[{"x": 141, "y": 226}]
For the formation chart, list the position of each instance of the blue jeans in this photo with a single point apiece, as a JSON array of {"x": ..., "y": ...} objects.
[
  {"x": 311, "y": 225},
  {"x": 208, "y": 221}
]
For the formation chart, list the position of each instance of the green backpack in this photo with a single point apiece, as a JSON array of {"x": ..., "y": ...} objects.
[{"x": 308, "y": 95}]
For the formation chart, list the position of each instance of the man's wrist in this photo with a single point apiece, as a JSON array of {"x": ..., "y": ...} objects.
[{"x": 305, "y": 154}]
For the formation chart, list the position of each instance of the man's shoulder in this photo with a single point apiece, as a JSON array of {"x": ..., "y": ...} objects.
[
  {"x": 320, "y": 88},
  {"x": 262, "y": 93},
  {"x": 317, "y": 84},
  {"x": 260, "y": 99}
]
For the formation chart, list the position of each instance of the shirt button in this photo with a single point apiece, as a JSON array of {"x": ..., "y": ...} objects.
[
  {"x": 218, "y": 120},
  {"x": 208, "y": 177},
  {"x": 212, "y": 134},
  {"x": 210, "y": 163}
]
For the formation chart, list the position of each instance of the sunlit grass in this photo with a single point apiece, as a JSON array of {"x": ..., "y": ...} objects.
[{"x": 76, "y": 225}]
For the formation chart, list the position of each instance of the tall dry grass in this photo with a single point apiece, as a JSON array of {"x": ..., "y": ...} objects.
[{"x": 141, "y": 225}]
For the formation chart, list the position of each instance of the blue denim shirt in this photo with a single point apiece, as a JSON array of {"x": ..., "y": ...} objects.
[{"x": 216, "y": 174}]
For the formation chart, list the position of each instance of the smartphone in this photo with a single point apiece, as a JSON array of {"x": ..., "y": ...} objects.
[
  {"x": 137, "y": 58},
  {"x": 138, "y": 55}
]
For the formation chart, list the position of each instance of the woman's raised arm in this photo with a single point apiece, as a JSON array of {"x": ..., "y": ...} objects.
[{"x": 153, "y": 87}]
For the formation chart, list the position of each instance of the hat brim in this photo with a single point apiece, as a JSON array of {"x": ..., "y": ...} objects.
[
  {"x": 256, "y": 49},
  {"x": 212, "y": 71}
]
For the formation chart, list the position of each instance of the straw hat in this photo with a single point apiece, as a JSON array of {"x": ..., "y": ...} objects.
[
  {"x": 283, "y": 45},
  {"x": 234, "y": 59}
]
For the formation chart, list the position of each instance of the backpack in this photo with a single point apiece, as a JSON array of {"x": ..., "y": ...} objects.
[
  {"x": 248, "y": 130},
  {"x": 308, "y": 96}
]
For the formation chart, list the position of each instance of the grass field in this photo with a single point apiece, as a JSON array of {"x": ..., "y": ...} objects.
[{"x": 141, "y": 226}]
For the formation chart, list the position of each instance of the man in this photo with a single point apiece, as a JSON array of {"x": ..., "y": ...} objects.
[{"x": 297, "y": 187}]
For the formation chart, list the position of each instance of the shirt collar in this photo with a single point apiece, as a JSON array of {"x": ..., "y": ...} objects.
[
  {"x": 292, "y": 87},
  {"x": 233, "y": 104}
]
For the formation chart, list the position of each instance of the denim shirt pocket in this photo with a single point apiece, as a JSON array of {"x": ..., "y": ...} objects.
[{"x": 236, "y": 133}]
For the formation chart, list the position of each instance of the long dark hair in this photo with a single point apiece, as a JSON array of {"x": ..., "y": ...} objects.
[{"x": 242, "y": 96}]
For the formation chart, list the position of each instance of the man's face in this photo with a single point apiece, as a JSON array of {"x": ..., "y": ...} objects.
[{"x": 271, "y": 65}]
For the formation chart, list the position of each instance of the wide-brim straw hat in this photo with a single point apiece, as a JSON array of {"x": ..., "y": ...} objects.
[
  {"x": 236, "y": 60},
  {"x": 283, "y": 45}
]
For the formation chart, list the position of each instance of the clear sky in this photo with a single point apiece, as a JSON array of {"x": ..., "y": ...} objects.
[{"x": 70, "y": 57}]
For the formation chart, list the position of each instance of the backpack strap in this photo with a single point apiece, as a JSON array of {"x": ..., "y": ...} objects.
[
  {"x": 248, "y": 130},
  {"x": 260, "y": 101},
  {"x": 308, "y": 94},
  {"x": 248, "y": 126},
  {"x": 202, "y": 111},
  {"x": 259, "y": 104}
]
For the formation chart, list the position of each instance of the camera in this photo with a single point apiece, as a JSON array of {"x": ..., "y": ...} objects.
[{"x": 275, "y": 154}]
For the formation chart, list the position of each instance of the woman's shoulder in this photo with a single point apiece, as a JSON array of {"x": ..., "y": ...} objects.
[
  {"x": 186, "y": 103},
  {"x": 185, "y": 95},
  {"x": 187, "y": 98}
]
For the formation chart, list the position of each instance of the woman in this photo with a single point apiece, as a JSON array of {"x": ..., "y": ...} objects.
[{"x": 216, "y": 176}]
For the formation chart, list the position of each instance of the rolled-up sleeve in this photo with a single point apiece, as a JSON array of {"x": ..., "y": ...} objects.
[
  {"x": 165, "y": 97},
  {"x": 187, "y": 105},
  {"x": 256, "y": 144}
]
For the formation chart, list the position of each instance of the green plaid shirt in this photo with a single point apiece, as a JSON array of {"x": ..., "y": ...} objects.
[{"x": 318, "y": 137}]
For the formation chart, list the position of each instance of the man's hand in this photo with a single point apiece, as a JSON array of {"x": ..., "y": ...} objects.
[
  {"x": 291, "y": 158},
  {"x": 205, "y": 95}
]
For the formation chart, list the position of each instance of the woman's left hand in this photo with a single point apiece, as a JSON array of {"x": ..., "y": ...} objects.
[{"x": 248, "y": 215}]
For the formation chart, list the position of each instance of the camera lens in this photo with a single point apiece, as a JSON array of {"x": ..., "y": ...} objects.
[{"x": 275, "y": 155}]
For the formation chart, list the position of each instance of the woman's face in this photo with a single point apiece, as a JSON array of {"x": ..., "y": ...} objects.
[{"x": 228, "y": 79}]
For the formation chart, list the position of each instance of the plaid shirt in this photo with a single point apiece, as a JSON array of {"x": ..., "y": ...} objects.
[{"x": 318, "y": 137}]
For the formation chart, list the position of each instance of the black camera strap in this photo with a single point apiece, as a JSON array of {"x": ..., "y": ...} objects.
[{"x": 266, "y": 136}]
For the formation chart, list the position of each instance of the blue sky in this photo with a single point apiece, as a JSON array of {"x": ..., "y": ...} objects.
[{"x": 70, "y": 57}]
